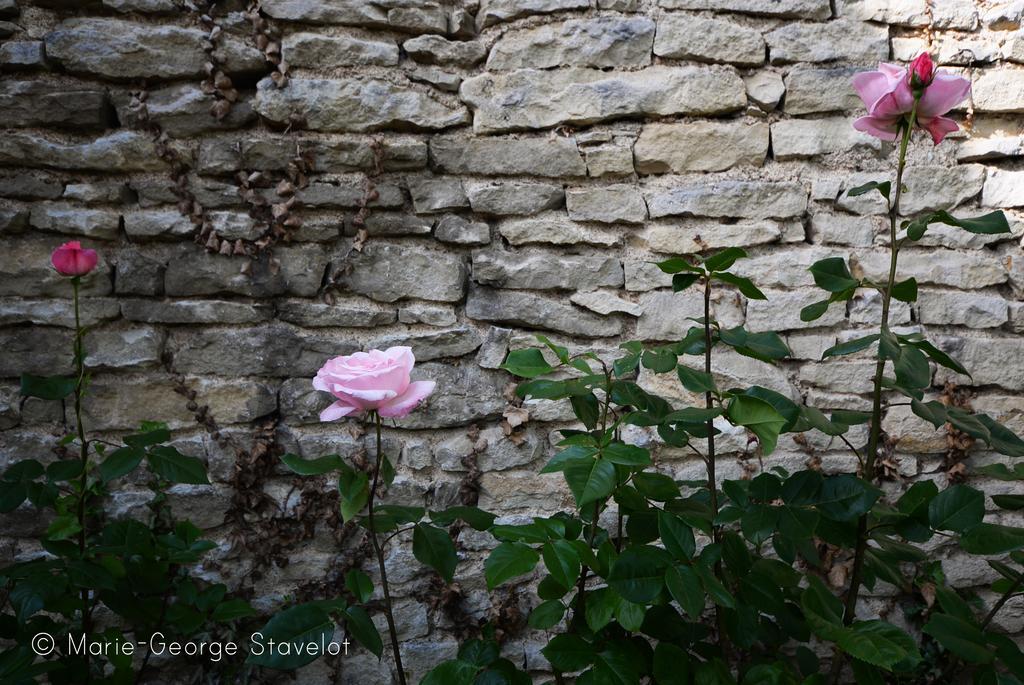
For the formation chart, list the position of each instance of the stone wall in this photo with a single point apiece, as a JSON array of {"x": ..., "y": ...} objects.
[{"x": 268, "y": 190}]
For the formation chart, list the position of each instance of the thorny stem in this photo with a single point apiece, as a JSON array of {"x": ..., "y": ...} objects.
[
  {"x": 709, "y": 461},
  {"x": 874, "y": 437},
  {"x": 79, "y": 352},
  {"x": 379, "y": 552}
]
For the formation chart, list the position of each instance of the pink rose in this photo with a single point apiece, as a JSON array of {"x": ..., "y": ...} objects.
[
  {"x": 889, "y": 96},
  {"x": 71, "y": 260},
  {"x": 373, "y": 380}
]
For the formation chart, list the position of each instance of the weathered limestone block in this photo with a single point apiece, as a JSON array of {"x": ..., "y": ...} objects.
[
  {"x": 948, "y": 50},
  {"x": 802, "y": 9},
  {"x": 699, "y": 146},
  {"x": 300, "y": 272},
  {"x": 768, "y": 271},
  {"x": 120, "y": 151},
  {"x": 62, "y": 217},
  {"x": 460, "y": 231},
  {"x": 437, "y": 194},
  {"x": 427, "y": 313},
  {"x": 353, "y": 104},
  {"x": 555, "y": 229},
  {"x": 866, "y": 309},
  {"x": 430, "y": 345},
  {"x": 996, "y": 145},
  {"x": 470, "y": 394},
  {"x": 437, "y": 50},
  {"x": 843, "y": 229},
  {"x": 685, "y": 36},
  {"x": 184, "y": 311},
  {"x": 267, "y": 350},
  {"x": 125, "y": 347},
  {"x": 545, "y": 156},
  {"x": 545, "y": 271},
  {"x": 119, "y": 49},
  {"x": 392, "y": 272},
  {"x": 999, "y": 90},
  {"x": 796, "y": 138},
  {"x": 955, "y": 269},
  {"x": 26, "y": 270},
  {"x": 320, "y": 51},
  {"x": 347, "y": 192},
  {"x": 843, "y": 375},
  {"x": 23, "y": 55},
  {"x": 765, "y": 89},
  {"x": 434, "y": 76},
  {"x": 532, "y": 99},
  {"x": 499, "y": 453},
  {"x": 391, "y": 223},
  {"x": 951, "y": 308},
  {"x": 99, "y": 192},
  {"x": 991, "y": 361},
  {"x": 728, "y": 198},
  {"x": 496, "y": 11},
  {"x": 30, "y": 186},
  {"x": 183, "y": 110},
  {"x": 513, "y": 197},
  {"x": 605, "y": 302},
  {"x": 53, "y": 312},
  {"x": 40, "y": 350},
  {"x": 349, "y": 312},
  {"x": 535, "y": 311},
  {"x": 161, "y": 223},
  {"x": 609, "y": 160},
  {"x": 598, "y": 42},
  {"x": 945, "y": 14},
  {"x": 1003, "y": 188},
  {"x": 668, "y": 316},
  {"x": 606, "y": 204},
  {"x": 38, "y": 103},
  {"x": 935, "y": 187},
  {"x": 697, "y": 235},
  {"x": 224, "y": 155},
  {"x": 840, "y": 39},
  {"x": 810, "y": 90},
  {"x": 146, "y": 6},
  {"x": 781, "y": 311}
]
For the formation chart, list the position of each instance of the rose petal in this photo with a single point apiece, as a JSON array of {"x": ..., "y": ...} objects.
[
  {"x": 879, "y": 127},
  {"x": 938, "y": 127},
  {"x": 945, "y": 92},
  {"x": 337, "y": 411},
  {"x": 403, "y": 405}
]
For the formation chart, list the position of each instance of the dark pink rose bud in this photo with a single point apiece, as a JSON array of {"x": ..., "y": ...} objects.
[
  {"x": 922, "y": 70},
  {"x": 71, "y": 260}
]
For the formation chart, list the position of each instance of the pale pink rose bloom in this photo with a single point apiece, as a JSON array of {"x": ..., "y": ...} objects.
[
  {"x": 71, "y": 260},
  {"x": 888, "y": 96},
  {"x": 375, "y": 380}
]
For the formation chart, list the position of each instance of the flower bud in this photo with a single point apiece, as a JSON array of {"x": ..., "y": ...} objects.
[
  {"x": 922, "y": 70},
  {"x": 71, "y": 260}
]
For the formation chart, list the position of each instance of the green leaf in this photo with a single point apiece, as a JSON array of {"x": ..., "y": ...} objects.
[
  {"x": 936, "y": 355},
  {"x": 814, "y": 311},
  {"x": 957, "y": 508},
  {"x": 600, "y": 607},
  {"x": 721, "y": 261},
  {"x": 120, "y": 462},
  {"x": 362, "y": 629},
  {"x": 300, "y": 629},
  {"x": 508, "y": 560},
  {"x": 546, "y": 615},
  {"x": 989, "y": 224},
  {"x": 933, "y": 412},
  {"x": 434, "y": 547},
  {"x": 562, "y": 562},
  {"x": 590, "y": 480},
  {"x": 905, "y": 291},
  {"x": 845, "y": 497},
  {"x": 681, "y": 282},
  {"x": 912, "y": 370},
  {"x": 587, "y": 409},
  {"x": 626, "y": 455},
  {"x": 359, "y": 584},
  {"x": 696, "y": 381},
  {"x": 881, "y": 186},
  {"x": 991, "y": 539},
  {"x": 676, "y": 536},
  {"x": 677, "y": 264},
  {"x": 745, "y": 285},
  {"x": 451, "y": 673},
  {"x": 528, "y": 363},
  {"x": 231, "y": 610},
  {"x": 879, "y": 643},
  {"x": 671, "y": 665},
  {"x": 832, "y": 274},
  {"x": 851, "y": 346},
  {"x": 172, "y": 465},
  {"x": 312, "y": 467},
  {"x": 477, "y": 518},
  {"x": 719, "y": 594},
  {"x": 959, "y": 637},
  {"x": 47, "y": 387},
  {"x": 1009, "y": 502},
  {"x": 685, "y": 587},
  {"x": 638, "y": 574},
  {"x": 568, "y": 652},
  {"x": 1001, "y": 438},
  {"x": 759, "y": 417},
  {"x": 354, "y": 492},
  {"x": 767, "y": 346}
]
